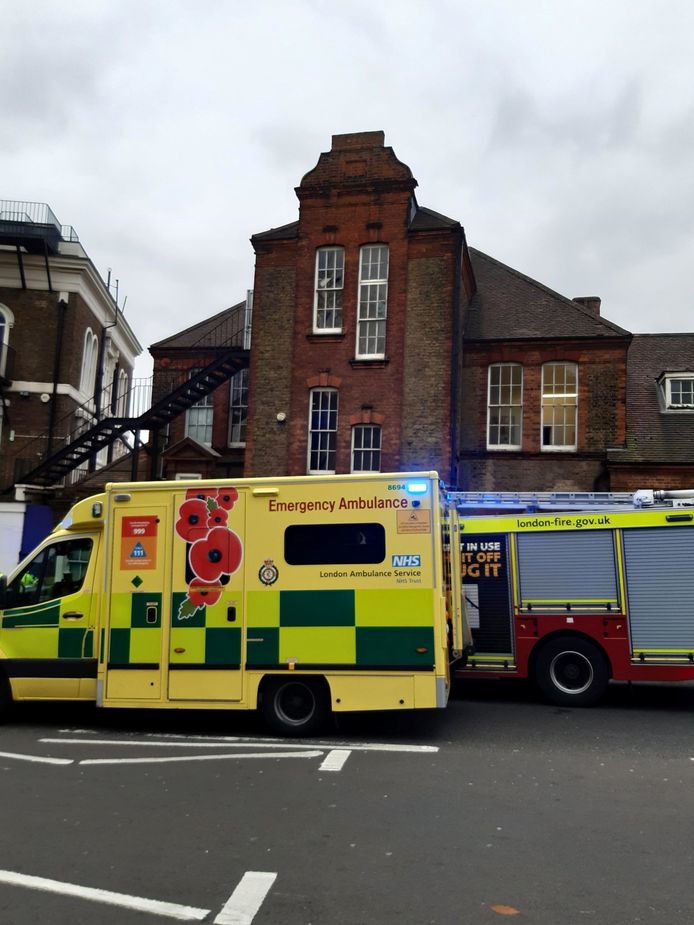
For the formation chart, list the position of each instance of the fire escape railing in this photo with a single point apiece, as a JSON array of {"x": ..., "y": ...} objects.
[{"x": 97, "y": 433}]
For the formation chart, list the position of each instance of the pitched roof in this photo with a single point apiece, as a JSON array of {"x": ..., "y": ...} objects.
[
  {"x": 428, "y": 220},
  {"x": 655, "y": 434},
  {"x": 423, "y": 220},
  {"x": 283, "y": 233},
  {"x": 211, "y": 332},
  {"x": 510, "y": 306}
]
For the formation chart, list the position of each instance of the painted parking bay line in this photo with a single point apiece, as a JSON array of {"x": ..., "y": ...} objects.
[
  {"x": 247, "y": 898},
  {"x": 257, "y": 742},
  {"x": 335, "y": 759},
  {"x": 138, "y": 903},
  {"x": 39, "y": 759},
  {"x": 234, "y": 756}
]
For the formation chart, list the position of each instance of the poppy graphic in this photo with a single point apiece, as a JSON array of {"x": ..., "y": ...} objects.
[
  {"x": 202, "y": 593},
  {"x": 192, "y": 520},
  {"x": 217, "y": 517},
  {"x": 219, "y": 553},
  {"x": 201, "y": 494},
  {"x": 227, "y": 498}
]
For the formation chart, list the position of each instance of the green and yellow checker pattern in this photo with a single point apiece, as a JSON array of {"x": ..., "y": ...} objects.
[
  {"x": 134, "y": 633},
  {"x": 41, "y": 634},
  {"x": 369, "y": 629},
  {"x": 205, "y": 638}
]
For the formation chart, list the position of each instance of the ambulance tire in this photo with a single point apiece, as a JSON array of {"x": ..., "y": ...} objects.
[
  {"x": 295, "y": 706},
  {"x": 6, "y": 701},
  {"x": 572, "y": 672}
]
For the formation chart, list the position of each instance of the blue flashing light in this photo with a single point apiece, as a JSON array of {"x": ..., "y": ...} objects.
[{"x": 417, "y": 488}]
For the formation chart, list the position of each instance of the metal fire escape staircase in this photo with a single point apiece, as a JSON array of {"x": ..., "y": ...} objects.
[{"x": 103, "y": 433}]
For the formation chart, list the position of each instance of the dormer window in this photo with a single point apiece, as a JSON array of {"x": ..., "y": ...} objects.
[{"x": 679, "y": 391}]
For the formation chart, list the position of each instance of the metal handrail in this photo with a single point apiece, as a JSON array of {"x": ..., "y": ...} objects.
[{"x": 40, "y": 213}]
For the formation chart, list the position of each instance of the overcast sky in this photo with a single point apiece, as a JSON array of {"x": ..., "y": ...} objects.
[{"x": 560, "y": 134}]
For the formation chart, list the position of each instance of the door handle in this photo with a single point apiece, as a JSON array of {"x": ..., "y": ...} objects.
[{"x": 72, "y": 615}]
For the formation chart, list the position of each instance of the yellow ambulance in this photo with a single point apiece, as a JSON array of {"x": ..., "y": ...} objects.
[{"x": 296, "y": 596}]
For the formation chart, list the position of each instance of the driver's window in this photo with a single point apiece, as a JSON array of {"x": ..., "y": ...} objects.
[{"x": 58, "y": 570}]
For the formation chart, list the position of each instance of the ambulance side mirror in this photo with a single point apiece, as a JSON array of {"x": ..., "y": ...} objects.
[{"x": 3, "y": 591}]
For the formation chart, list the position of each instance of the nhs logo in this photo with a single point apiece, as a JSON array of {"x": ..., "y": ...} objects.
[{"x": 406, "y": 561}]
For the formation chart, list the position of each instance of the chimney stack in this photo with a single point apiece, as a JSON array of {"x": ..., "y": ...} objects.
[{"x": 591, "y": 302}]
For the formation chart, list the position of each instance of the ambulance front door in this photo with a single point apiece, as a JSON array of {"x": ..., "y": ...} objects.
[
  {"x": 207, "y": 607},
  {"x": 47, "y": 627}
]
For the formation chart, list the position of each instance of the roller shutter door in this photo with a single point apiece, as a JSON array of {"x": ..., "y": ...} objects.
[
  {"x": 659, "y": 566},
  {"x": 576, "y": 568}
]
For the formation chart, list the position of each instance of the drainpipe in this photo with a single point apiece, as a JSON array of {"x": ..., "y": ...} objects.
[
  {"x": 61, "y": 308},
  {"x": 456, "y": 357}
]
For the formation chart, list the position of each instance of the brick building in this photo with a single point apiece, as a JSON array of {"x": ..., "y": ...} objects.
[
  {"x": 207, "y": 441},
  {"x": 659, "y": 448},
  {"x": 544, "y": 386},
  {"x": 356, "y": 326},
  {"x": 66, "y": 352},
  {"x": 381, "y": 341}
]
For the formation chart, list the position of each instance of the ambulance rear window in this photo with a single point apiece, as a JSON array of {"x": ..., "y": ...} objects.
[{"x": 334, "y": 544}]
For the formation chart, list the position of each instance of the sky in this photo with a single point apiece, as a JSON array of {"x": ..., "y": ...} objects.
[{"x": 167, "y": 132}]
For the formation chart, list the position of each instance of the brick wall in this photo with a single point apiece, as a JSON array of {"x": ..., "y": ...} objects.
[
  {"x": 358, "y": 194},
  {"x": 427, "y": 361},
  {"x": 274, "y": 295},
  {"x": 601, "y": 418}
]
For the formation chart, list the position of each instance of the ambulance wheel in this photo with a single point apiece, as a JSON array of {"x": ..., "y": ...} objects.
[
  {"x": 572, "y": 672},
  {"x": 295, "y": 706},
  {"x": 6, "y": 701}
]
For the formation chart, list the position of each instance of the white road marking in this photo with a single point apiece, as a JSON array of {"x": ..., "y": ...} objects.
[
  {"x": 247, "y": 898},
  {"x": 138, "y": 903},
  {"x": 150, "y": 744},
  {"x": 234, "y": 741},
  {"x": 335, "y": 760},
  {"x": 236, "y": 757},
  {"x": 37, "y": 758}
]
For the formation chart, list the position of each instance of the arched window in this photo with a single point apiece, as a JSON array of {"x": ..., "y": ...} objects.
[
  {"x": 89, "y": 358},
  {"x": 366, "y": 448},
  {"x": 6, "y": 322},
  {"x": 122, "y": 394},
  {"x": 322, "y": 430}
]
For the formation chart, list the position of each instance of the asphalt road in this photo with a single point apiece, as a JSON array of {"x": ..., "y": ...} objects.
[{"x": 499, "y": 807}]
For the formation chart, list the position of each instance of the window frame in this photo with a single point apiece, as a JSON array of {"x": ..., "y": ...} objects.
[
  {"x": 331, "y": 449},
  {"x": 374, "y": 428},
  {"x": 347, "y": 543},
  {"x": 90, "y": 358},
  {"x": 678, "y": 377},
  {"x": 241, "y": 406},
  {"x": 363, "y": 317},
  {"x": 559, "y": 447},
  {"x": 206, "y": 403},
  {"x": 46, "y": 559},
  {"x": 337, "y": 290},
  {"x": 6, "y": 323},
  {"x": 506, "y": 447}
]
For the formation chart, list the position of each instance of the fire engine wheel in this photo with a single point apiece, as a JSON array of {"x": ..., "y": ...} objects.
[
  {"x": 295, "y": 706},
  {"x": 572, "y": 672}
]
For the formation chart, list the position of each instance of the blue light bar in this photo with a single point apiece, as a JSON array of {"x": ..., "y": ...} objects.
[{"x": 417, "y": 488}]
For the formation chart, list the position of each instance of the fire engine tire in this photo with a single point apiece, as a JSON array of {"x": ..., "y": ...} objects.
[
  {"x": 295, "y": 706},
  {"x": 572, "y": 672}
]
